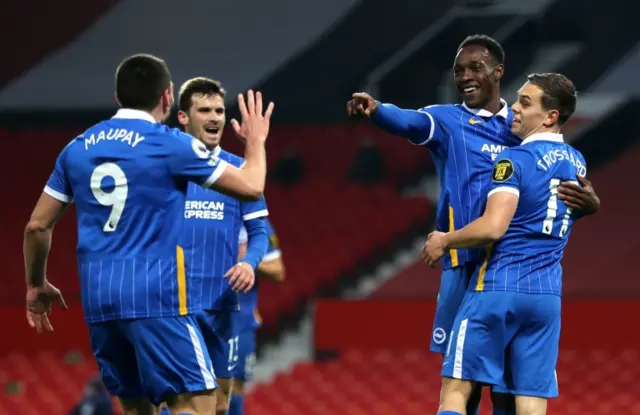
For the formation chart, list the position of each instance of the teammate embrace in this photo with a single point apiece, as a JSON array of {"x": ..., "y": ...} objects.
[
  {"x": 160, "y": 213},
  {"x": 502, "y": 227}
]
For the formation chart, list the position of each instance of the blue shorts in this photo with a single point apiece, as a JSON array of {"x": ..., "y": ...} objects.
[
  {"x": 152, "y": 357},
  {"x": 508, "y": 340},
  {"x": 246, "y": 355},
  {"x": 219, "y": 329},
  {"x": 453, "y": 286}
]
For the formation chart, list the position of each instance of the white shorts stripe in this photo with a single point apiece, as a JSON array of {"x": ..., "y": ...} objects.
[
  {"x": 457, "y": 362},
  {"x": 207, "y": 374}
]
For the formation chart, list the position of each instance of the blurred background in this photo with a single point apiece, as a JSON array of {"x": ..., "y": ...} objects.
[{"x": 348, "y": 332}]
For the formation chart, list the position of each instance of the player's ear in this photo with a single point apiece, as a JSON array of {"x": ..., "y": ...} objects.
[
  {"x": 115, "y": 95},
  {"x": 552, "y": 118},
  {"x": 498, "y": 72},
  {"x": 183, "y": 117}
]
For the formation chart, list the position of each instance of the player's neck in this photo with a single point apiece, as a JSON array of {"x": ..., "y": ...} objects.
[
  {"x": 494, "y": 105},
  {"x": 157, "y": 114},
  {"x": 544, "y": 129}
]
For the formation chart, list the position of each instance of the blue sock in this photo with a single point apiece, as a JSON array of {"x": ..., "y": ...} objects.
[
  {"x": 449, "y": 413},
  {"x": 236, "y": 406},
  {"x": 165, "y": 411},
  {"x": 504, "y": 412}
]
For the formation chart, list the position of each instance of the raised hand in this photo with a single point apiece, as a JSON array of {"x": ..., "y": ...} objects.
[{"x": 255, "y": 124}]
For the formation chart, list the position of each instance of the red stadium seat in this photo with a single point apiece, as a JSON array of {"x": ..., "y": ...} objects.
[
  {"x": 62, "y": 389},
  {"x": 358, "y": 383}
]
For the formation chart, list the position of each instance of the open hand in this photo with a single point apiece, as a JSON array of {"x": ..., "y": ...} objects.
[
  {"x": 255, "y": 124},
  {"x": 39, "y": 301}
]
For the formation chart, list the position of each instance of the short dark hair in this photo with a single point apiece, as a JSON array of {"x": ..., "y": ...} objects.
[
  {"x": 198, "y": 86},
  {"x": 558, "y": 93},
  {"x": 493, "y": 46},
  {"x": 140, "y": 81}
]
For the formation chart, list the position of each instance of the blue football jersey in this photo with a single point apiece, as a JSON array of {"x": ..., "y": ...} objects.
[
  {"x": 128, "y": 177},
  {"x": 212, "y": 225},
  {"x": 527, "y": 259},
  {"x": 464, "y": 143},
  {"x": 249, "y": 317}
]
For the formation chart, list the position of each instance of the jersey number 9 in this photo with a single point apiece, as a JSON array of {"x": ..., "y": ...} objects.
[{"x": 117, "y": 198}]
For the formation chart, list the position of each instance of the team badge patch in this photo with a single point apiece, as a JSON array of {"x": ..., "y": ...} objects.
[
  {"x": 502, "y": 171},
  {"x": 200, "y": 149}
]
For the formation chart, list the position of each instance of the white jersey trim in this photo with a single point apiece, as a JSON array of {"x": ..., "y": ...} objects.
[
  {"x": 57, "y": 195},
  {"x": 507, "y": 189},
  {"x": 254, "y": 215},
  {"x": 431, "y": 130},
  {"x": 222, "y": 165},
  {"x": 271, "y": 256}
]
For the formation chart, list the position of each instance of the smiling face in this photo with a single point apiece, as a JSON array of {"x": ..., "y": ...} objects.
[
  {"x": 476, "y": 75},
  {"x": 205, "y": 118}
]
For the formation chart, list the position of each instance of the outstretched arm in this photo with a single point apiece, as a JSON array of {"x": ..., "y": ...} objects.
[{"x": 418, "y": 126}]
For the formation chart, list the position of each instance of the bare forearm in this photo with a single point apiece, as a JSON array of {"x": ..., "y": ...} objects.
[
  {"x": 478, "y": 233},
  {"x": 37, "y": 243},
  {"x": 272, "y": 270},
  {"x": 255, "y": 165}
]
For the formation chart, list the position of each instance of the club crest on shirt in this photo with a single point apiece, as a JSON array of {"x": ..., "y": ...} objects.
[
  {"x": 200, "y": 149},
  {"x": 502, "y": 171}
]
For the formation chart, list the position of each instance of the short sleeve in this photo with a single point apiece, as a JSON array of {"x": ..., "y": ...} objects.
[
  {"x": 507, "y": 173},
  {"x": 273, "y": 249},
  {"x": 58, "y": 185},
  {"x": 191, "y": 161},
  {"x": 437, "y": 136},
  {"x": 254, "y": 210}
]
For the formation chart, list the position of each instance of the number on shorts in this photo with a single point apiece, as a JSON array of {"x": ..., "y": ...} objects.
[
  {"x": 233, "y": 350},
  {"x": 117, "y": 198}
]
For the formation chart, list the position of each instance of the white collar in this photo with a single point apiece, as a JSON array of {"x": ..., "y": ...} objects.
[
  {"x": 504, "y": 111},
  {"x": 216, "y": 151},
  {"x": 130, "y": 114},
  {"x": 556, "y": 138}
]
